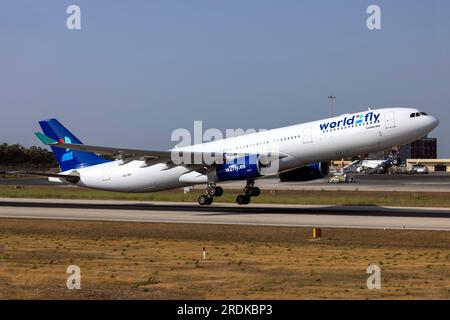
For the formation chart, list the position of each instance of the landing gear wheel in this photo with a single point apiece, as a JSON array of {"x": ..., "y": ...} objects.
[
  {"x": 397, "y": 162},
  {"x": 242, "y": 199},
  {"x": 252, "y": 191},
  {"x": 219, "y": 192},
  {"x": 204, "y": 200},
  {"x": 214, "y": 191}
]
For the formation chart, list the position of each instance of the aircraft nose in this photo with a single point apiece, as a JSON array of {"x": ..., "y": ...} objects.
[
  {"x": 434, "y": 122},
  {"x": 431, "y": 123}
]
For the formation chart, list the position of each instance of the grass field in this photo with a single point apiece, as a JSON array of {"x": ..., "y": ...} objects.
[
  {"x": 164, "y": 261},
  {"x": 409, "y": 199}
]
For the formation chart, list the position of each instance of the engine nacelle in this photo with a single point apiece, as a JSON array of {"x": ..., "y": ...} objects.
[
  {"x": 307, "y": 173},
  {"x": 242, "y": 168}
]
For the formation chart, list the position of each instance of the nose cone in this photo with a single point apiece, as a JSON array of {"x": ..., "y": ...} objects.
[
  {"x": 433, "y": 122},
  {"x": 429, "y": 123}
]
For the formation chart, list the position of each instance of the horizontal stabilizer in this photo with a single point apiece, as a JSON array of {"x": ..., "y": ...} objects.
[
  {"x": 72, "y": 178},
  {"x": 44, "y": 139}
]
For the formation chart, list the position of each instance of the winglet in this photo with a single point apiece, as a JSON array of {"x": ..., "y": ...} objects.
[{"x": 44, "y": 139}]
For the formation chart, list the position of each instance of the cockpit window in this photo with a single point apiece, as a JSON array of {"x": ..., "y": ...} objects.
[{"x": 417, "y": 114}]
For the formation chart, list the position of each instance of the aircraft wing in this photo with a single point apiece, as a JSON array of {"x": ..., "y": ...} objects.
[{"x": 132, "y": 154}]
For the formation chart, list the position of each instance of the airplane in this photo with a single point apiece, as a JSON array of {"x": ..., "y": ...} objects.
[
  {"x": 296, "y": 153},
  {"x": 376, "y": 166}
]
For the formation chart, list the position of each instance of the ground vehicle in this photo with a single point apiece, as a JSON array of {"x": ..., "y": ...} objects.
[
  {"x": 343, "y": 178},
  {"x": 419, "y": 169}
]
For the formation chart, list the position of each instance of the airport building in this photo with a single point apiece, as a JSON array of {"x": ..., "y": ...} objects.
[
  {"x": 424, "y": 148},
  {"x": 422, "y": 152},
  {"x": 433, "y": 165}
]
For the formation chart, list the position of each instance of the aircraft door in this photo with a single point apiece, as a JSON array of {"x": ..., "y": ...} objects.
[
  {"x": 390, "y": 119},
  {"x": 106, "y": 174},
  {"x": 307, "y": 135}
]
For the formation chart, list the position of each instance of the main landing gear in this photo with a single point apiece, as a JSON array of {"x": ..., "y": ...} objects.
[
  {"x": 211, "y": 191},
  {"x": 250, "y": 191},
  {"x": 214, "y": 191}
]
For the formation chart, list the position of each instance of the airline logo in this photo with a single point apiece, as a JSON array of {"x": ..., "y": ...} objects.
[
  {"x": 360, "y": 118},
  {"x": 68, "y": 155}
]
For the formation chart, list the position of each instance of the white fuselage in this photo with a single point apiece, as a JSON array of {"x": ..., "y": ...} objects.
[{"x": 301, "y": 144}]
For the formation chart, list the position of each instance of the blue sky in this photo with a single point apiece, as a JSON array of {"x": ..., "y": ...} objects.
[{"x": 137, "y": 70}]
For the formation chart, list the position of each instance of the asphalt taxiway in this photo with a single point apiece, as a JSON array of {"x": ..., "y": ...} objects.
[{"x": 255, "y": 214}]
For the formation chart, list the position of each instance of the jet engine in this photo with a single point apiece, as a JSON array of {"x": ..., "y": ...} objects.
[
  {"x": 241, "y": 168},
  {"x": 306, "y": 173}
]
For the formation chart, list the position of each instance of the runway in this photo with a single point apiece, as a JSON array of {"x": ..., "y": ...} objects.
[{"x": 255, "y": 214}]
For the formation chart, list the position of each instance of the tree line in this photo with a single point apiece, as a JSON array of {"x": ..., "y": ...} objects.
[{"x": 15, "y": 154}]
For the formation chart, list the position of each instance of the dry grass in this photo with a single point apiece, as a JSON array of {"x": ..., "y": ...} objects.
[{"x": 164, "y": 261}]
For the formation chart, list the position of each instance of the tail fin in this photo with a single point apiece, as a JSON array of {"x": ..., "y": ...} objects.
[{"x": 68, "y": 159}]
